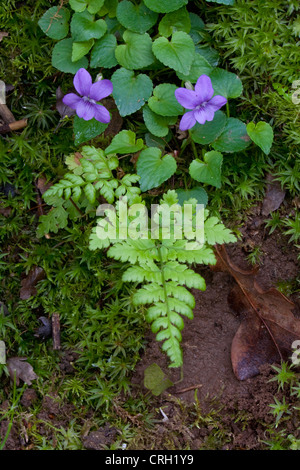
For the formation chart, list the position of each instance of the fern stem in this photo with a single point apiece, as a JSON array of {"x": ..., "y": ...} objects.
[
  {"x": 165, "y": 291},
  {"x": 163, "y": 280},
  {"x": 76, "y": 207}
]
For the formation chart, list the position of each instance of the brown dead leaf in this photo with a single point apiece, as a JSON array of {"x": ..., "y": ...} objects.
[
  {"x": 28, "y": 284},
  {"x": 42, "y": 184},
  {"x": 20, "y": 369},
  {"x": 5, "y": 211},
  {"x": 77, "y": 158},
  {"x": 62, "y": 108},
  {"x": 116, "y": 122},
  {"x": 269, "y": 326},
  {"x": 134, "y": 158},
  {"x": 274, "y": 196}
]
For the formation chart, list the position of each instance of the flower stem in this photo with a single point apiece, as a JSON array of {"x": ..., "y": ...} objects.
[
  {"x": 227, "y": 109},
  {"x": 193, "y": 146},
  {"x": 187, "y": 141}
]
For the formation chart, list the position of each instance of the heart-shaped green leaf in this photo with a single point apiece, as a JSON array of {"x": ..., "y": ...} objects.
[
  {"x": 178, "y": 54},
  {"x": 62, "y": 57},
  {"x": 165, "y": 6},
  {"x": 93, "y": 6},
  {"x": 200, "y": 66},
  {"x": 130, "y": 91},
  {"x": 103, "y": 52},
  {"x": 124, "y": 142},
  {"x": 261, "y": 134},
  {"x": 109, "y": 8},
  {"x": 210, "y": 54},
  {"x": 163, "y": 101},
  {"x": 226, "y": 83},
  {"x": 155, "y": 380},
  {"x": 209, "y": 170},
  {"x": 87, "y": 130},
  {"x": 153, "y": 168},
  {"x": 206, "y": 133},
  {"x": 158, "y": 125},
  {"x": 80, "y": 49},
  {"x": 78, "y": 5},
  {"x": 197, "y": 28},
  {"x": 55, "y": 22},
  {"x": 137, "y": 18},
  {"x": 154, "y": 141},
  {"x": 136, "y": 52},
  {"x": 178, "y": 20},
  {"x": 196, "y": 193},
  {"x": 83, "y": 27},
  {"x": 233, "y": 138}
]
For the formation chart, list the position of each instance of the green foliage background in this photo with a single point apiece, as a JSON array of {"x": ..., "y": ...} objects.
[{"x": 258, "y": 40}]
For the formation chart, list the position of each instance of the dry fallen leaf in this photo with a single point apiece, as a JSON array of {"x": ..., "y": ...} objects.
[
  {"x": 269, "y": 326},
  {"x": 28, "y": 284},
  {"x": 20, "y": 369},
  {"x": 274, "y": 196},
  {"x": 116, "y": 121},
  {"x": 62, "y": 108},
  {"x": 43, "y": 184}
]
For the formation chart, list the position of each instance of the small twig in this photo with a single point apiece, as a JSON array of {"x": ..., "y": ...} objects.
[
  {"x": 56, "y": 16},
  {"x": 13, "y": 126},
  {"x": 187, "y": 389},
  {"x": 39, "y": 200},
  {"x": 6, "y": 114},
  {"x": 56, "y": 331}
]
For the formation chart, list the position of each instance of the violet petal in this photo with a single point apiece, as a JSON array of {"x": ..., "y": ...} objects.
[
  {"x": 187, "y": 121},
  {"x": 71, "y": 100},
  {"x": 204, "y": 89},
  {"x": 187, "y": 98},
  {"x": 217, "y": 102},
  {"x": 82, "y": 82},
  {"x": 101, "y": 89},
  {"x": 203, "y": 114},
  {"x": 101, "y": 113},
  {"x": 85, "y": 110}
]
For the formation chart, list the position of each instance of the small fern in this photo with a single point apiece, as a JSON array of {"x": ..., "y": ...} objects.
[
  {"x": 92, "y": 176},
  {"x": 92, "y": 173},
  {"x": 160, "y": 269}
]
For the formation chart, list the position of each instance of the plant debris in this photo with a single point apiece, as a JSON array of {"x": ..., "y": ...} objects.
[
  {"x": 268, "y": 328},
  {"x": 18, "y": 369},
  {"x": 28, "y": 288}
]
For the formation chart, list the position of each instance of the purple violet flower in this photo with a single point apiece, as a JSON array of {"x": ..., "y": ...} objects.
[
  {"x": 200, "y": 101},
  {"x": 86, "y": 106}
]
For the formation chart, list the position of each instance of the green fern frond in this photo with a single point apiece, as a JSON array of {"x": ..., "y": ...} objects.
[
  {"x": 177, "y": 249},
  {"x": 216, "y": 232},
  {"x": 134, "y": 251}
]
